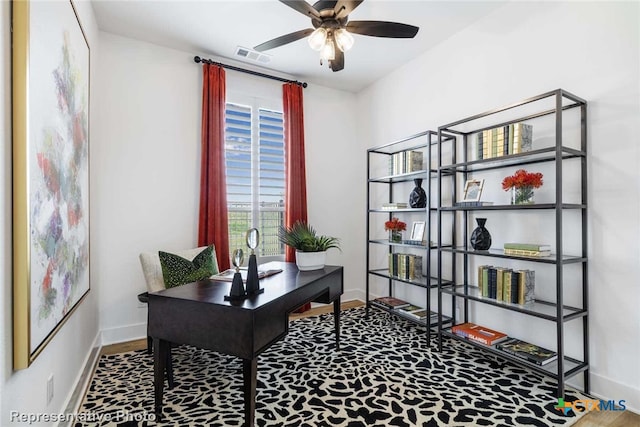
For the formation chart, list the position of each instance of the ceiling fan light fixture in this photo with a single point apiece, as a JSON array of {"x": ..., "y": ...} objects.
[
  {"x": 344, "y": 39},
  {"x": 328, "y": 52},
  {"x": 317, "y": 39}
]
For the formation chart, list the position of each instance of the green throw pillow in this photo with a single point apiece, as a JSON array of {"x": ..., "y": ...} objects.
[{"x": 177, "y": 271}]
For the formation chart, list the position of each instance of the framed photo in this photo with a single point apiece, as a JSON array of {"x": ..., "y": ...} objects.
[
  {"x": 50, "y": 105},
  {"x": 417, "y": 231},
  {"x": 473, "y": 190}
]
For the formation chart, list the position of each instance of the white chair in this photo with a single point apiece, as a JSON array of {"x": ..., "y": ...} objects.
[{"x": 152, "y": 270}]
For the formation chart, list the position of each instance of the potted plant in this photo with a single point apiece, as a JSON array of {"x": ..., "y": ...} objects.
[
  {"x": 311, "y": 249},
  {"x": 395, "y": 227},
  {"x": 521, "y": 185}
]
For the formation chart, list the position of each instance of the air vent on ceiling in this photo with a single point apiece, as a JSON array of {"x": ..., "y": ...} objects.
[{"x": 252, "y": 55}]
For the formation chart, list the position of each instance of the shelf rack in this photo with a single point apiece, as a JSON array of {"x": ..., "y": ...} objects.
[
  {"x": 553, "y": 106},
  {"x": 427, "y": 142}
]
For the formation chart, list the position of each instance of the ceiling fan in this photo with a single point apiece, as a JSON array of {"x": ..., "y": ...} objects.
[{"x": 331, "y": 32}]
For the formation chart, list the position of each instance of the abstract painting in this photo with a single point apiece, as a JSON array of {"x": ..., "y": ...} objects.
[{"x": 51, "y": 172}]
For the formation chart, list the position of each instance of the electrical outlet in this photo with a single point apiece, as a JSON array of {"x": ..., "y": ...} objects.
[{"x": 49, "y": 389}]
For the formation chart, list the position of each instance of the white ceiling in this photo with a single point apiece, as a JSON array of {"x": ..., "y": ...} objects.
[{"x": 217, "y": 28}]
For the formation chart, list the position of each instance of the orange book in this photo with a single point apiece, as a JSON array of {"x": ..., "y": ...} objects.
[{"x": 478, "y": 333}]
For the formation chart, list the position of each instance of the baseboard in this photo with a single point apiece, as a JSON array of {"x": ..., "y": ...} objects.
[
  {"x": 608, "y": 389},
  {"x": 74, "y": 400},
  {"x": 124, "y": 334},
  {"x": 353, "y": 295}
]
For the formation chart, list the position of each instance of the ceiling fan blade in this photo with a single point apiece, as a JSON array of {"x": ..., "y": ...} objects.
[
  {"x": 344, "y": 7},
  {"x": 382, "y": 29},
  {"x": 282, "y": 40},
  {"x": 302, "y": 7},
  {"x": 338, "y": 63}
]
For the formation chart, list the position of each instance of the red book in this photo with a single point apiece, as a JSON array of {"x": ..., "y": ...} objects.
[{"x": 479, "y": 333}]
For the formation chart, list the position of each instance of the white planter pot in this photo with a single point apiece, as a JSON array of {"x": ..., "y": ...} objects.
[{"x": 310, "y": 260}]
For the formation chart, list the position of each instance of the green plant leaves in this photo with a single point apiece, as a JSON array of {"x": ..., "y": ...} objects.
[{"x": 303, "y": 237}]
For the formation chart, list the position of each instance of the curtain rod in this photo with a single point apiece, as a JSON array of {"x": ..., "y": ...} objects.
[{"x": 197, "y": 59}]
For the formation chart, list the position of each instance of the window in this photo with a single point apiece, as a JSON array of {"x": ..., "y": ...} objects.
[{"x": 254, "y": 156}]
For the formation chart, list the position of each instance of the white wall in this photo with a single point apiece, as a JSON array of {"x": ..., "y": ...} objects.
[
  {"x": 66, "y": 354},
  {"x": 145, "y": 116},
  {"x": 524, "y": 49},
  {"x": 147, "y": 151}
]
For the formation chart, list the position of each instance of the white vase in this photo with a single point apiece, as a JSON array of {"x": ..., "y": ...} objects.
[{"x": 310, "y": 260}]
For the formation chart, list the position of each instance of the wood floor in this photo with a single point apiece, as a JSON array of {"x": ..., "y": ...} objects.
[{"x": 592, "y": 419}]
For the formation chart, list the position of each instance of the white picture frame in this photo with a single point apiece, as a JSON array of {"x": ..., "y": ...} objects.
[
  {"x": 473, "y": 190},
  {"x": 417, "y": 231}
]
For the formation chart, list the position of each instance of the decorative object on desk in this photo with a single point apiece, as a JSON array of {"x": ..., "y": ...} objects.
[
  {"x": 237, "y": 287},
  {"x": 311, "y": 249},
  {"x": 521, "y": 185},
  {"x": 253, "y": 282},
  {"x": 227, "y": 275},
  {"x": 395, "y": 227},
  {"x": 473, "y": 190},
  {"x": 418, "y": 197},
  {"x": 480, "y": 237}
]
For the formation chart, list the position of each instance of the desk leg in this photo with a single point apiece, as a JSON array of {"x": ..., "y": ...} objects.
[
  {"x": 336, "y": 320},
  {"x": 160, "y": 354},
  {"x": 249, "y": 373}
]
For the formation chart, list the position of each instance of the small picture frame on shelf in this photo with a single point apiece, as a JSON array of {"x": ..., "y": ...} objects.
[
  {"x": 417, "y": 231},
  {"x": 473, "y": 190}
]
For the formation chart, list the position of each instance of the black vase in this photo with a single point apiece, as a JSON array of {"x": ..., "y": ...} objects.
[
  {"x": 480, "y": 237},
  {"x": 418, "y": 197}
]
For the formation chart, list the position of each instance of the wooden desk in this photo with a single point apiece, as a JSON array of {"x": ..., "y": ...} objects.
[{"x": 197, "y": 314}]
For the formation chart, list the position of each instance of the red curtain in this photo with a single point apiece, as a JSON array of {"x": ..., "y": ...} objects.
[
  {"x": 295, "y": 182},
  {"x": 213, "y": 218}
]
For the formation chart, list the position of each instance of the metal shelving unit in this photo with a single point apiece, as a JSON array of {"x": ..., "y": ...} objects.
[
  {"x": 427, "y": 142},
  {"x": 552, "y": 107}
]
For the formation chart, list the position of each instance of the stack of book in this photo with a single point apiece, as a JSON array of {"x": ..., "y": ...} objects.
[
  {"x": 526, "y": 351},
  {"x": 502, "y": 141},
  {"x": 405, "y": 162},
  {"x": 391, "y": 303},
  {"x": 405, "y": 266},
  {"x": 418, "y": 313},
  {"x": 473, "y": 204},
  {"x": 507, "y": 285},
  {"x": 417, "y": 242},
  {"x": 527, "y": 249},
  {"x": 393, "y": 206},
  {"x": 227, "y": 275},
  {"x": 478, "y": 333}
]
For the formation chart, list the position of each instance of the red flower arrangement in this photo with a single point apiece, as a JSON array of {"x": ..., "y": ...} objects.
[
  {"x": 395, "y": 225},
  {"x": 522, "y": 179}
]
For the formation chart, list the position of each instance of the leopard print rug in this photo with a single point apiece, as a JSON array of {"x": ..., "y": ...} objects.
[{"x": 384, "y": 375}]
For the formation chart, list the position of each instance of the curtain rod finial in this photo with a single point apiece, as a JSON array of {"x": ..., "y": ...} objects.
[{"x": 197, "y": 59}]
